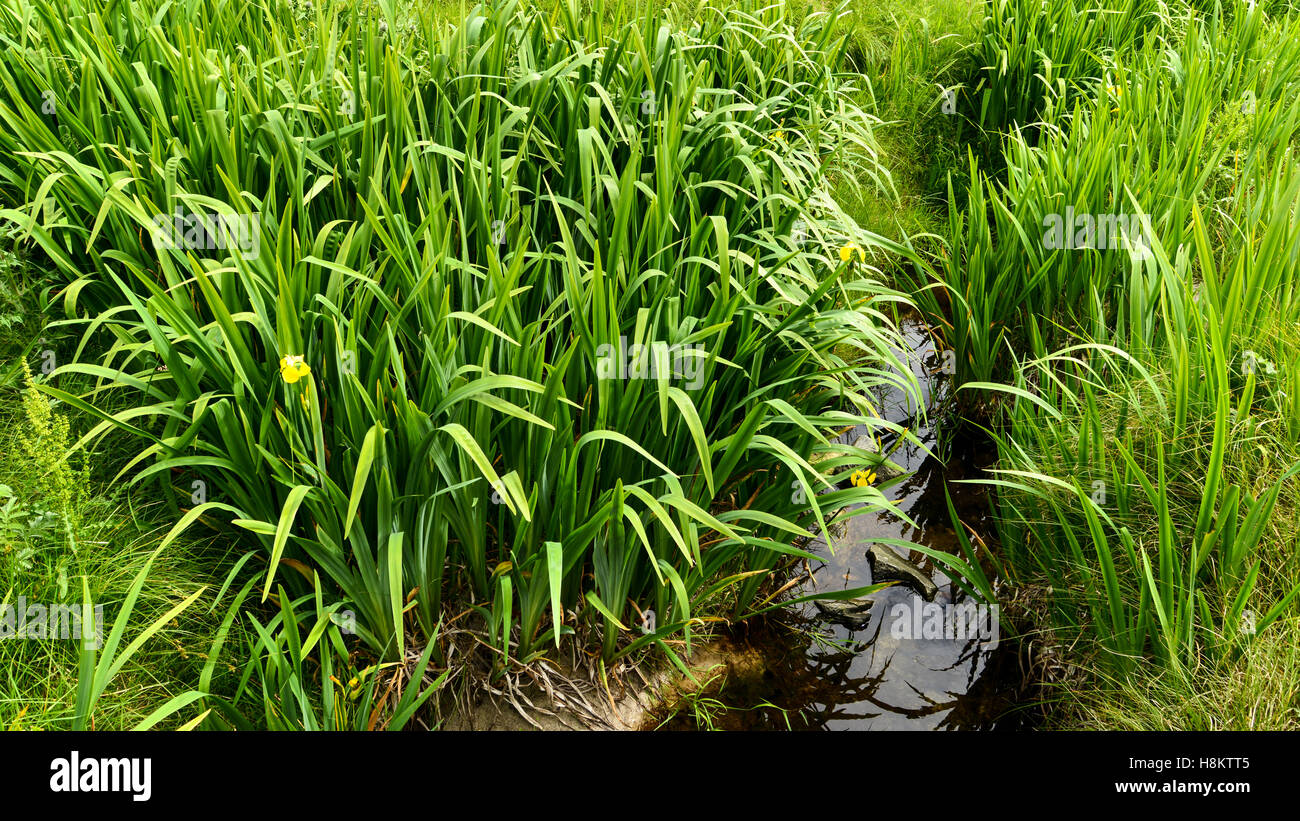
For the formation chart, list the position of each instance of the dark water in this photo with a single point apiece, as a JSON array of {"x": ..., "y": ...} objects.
[{"x": 813, "y": 674}]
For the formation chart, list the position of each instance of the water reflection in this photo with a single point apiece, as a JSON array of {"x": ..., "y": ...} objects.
[
  {"x": 887, "y": 681},
  {"x": 861, "y": 674}
]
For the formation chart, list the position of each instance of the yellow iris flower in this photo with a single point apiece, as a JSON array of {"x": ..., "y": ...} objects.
[
  {"x": 1118, "y": 93},
  {"x": 846, "y": 253},
  {"x": 862, "y": 478},
  {"x": 293, "y": 368}
]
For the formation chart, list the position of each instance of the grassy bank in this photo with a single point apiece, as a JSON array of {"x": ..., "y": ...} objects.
[
  {"x": 539, "y": 327},
  {"x": 61, "y": 523},
  {"x": 1147, "y": 425}
]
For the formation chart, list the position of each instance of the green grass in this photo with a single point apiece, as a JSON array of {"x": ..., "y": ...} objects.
[
  {"x": 920, "y": 63},
  {"x": 1256, "y": 690},
  {"x": 51, "y": 541},
  {"x": 1147, "y": 430}
]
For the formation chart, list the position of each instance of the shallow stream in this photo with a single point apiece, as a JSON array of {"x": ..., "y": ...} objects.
[{"x": 866, "y": 672}]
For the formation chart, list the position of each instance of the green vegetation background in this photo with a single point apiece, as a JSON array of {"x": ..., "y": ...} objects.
[{"x": 1144, "y": 412}]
